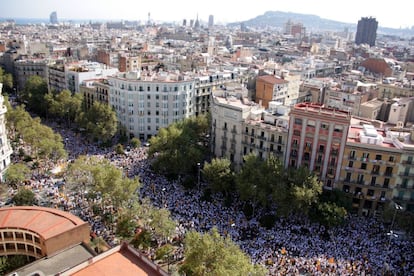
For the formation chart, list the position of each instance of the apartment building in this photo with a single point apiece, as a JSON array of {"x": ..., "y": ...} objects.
[
  {"x": 95, "y": 90},
  {"x": 403, "y": 193},
  {"x": 78, "y": 72},
  {"x": 316, "y": 139},
  {"x": 5, "y": 147},
  {"x": 240, "y": 127},
  {"x": 24, "y": 69},
  {"x": 144, "y": 104},
  {"x": 56, "y": 77},
  {"x": 270, "y": 88},
  {"x": 369, "y": 168}
]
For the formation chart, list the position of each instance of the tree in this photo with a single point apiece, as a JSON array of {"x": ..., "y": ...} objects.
[
  {"x": 64, "y": 105},
  {"x": 24, "y": 197},
  {"x": 135, "y": 142},
  {"x": 262, "y": 182},
  {"x": 328, "y": 214},
  {"x": 43, "y": 142},
  {"x": 119, "y": 149},
  {"x": 211, "y": 254},
  {"x": 180, "y": 146},
  {"x": 305, "y": 188},
  {"x": 34, "y": 93},
  {"x": 162, "y": 224},
  {"x": 16, "y": 174},
  {"x": 219, "y": 175},
  {"x": 100, "y": 176},
  {"x": 7, "y": 80},
  {"x": 100, "y": 122}
]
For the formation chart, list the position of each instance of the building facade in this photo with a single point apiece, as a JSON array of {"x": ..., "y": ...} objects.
[
  {"x": 270, "y": 88},
  {"x": 144, "y": 105},
  {"x": 5, "y": 147},
  {"x": 317, "y": 137},
  {"x": 366, "y": 31},
  {"x": 369, "y": 168},
  {"x": 240, "y": 127}
]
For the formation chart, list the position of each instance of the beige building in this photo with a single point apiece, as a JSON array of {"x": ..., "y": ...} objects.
[
  {"x": 369, "y": 168},
  {"x": 240, "y": 127}
]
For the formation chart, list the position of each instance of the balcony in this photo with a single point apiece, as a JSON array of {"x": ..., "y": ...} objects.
[
  {"x": 408, "y": 162},
  {"x": 404, "y": 174}
]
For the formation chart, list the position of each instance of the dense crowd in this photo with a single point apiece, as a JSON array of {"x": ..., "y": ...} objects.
[{"x": 293, "y": 246}]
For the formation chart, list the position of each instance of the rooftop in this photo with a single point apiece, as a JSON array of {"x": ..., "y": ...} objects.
[{"x": 46, "y": 222}]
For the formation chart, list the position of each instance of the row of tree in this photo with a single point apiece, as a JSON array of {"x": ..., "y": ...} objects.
[
  {"x": 259, "y": 183},
  {"x": 99, "y": 122}
]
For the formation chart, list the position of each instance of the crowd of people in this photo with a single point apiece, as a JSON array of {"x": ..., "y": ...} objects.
[{"x": 294, "y": 246}]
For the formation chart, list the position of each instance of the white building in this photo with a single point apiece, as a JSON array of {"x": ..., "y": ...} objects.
[
  {"x": 77, "y": 72},
  {"x": 5, "y": 148},
  {"x": 145, "y": 103}
]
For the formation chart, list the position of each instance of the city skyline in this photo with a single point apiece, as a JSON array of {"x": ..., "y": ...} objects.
[{"x": 394, "y": 16}]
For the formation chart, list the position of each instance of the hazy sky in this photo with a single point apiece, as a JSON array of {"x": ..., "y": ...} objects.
[{"x": 397, "y": 13}]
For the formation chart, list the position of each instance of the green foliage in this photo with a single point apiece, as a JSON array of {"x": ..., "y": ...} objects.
[
  {"x": 119, "y": 149},
  {"x": 24, "y": 197},
  {"x": 219, "y": 175},
  {"x": 43, "y": 142},
  {"x": 16, "y": 174},
  {"x": 180, "y": 146},
  {"x": 34, "y": 93},
  {"x": 338, "y": 197},
  {"x": 64, "y": 105},
  {"x": 7, "y": 80},
  {"x": 142, "y": 240},
  {"x": 164, "y": 252},
  {"x": 100, "y": 176},
  {"x": 328, "y": 214},
  {"x": 125, "y": 227},
  {"x": 211, "y": 254},
  {"x": 10, "y": 263},
  {"x": 261, "y": 181},
  {"x": 135, "y": 142},
  {"x": 100, "y": 122}
]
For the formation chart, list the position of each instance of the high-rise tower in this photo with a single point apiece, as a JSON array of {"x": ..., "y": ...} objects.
[
  {"x": 366, "y": 31},
  {"x": 53, "y": 18}
]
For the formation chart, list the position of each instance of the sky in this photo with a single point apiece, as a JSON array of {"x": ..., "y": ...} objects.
[{"x": 394, "y": 14}]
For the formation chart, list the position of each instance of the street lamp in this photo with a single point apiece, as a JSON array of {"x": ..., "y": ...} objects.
[
  {"x": 391, "y": 233},
  {"x": 198, "y": 176}
]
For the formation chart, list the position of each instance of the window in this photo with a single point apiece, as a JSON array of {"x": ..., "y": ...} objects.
[
  {"x": 352, "y": 154},
  {"x": 365, "y": 155},
  {"x": 298, "y": 121},
  {"x": 388, "y": 171},
  {"x": 296, "y": 132},
  {"x": 373, "y": 180},
  {"x": 378, "y": 157},
  {"x": 321, "y": 148},
  {"x": 375, "y": 169},
  {"x": 391, "y": 159},
  {"x": 350, "y": 164},
  {"x": 360, "y": 179},
  {"x": 363, "y": 166},
  {"x": 386, "y": 182}
]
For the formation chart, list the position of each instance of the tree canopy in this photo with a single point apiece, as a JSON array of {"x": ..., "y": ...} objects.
[
  {"x": 180, "y": 146},
  {"x": 219, "y": 175},
  {"x": 34, "y": 93},
  {"x": 99, "y": 122},
  {"x": 64, "y": 105},
  {"x": 211, "y": 254}
]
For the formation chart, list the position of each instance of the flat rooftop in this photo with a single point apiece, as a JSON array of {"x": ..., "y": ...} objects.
[{"x": 54, "y": 264}]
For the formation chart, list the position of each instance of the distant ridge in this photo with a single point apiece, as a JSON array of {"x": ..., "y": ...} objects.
[{"x": 277, "y": 19}]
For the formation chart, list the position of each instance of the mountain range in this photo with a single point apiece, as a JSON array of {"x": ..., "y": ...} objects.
[{"x": 313, "y": 23}]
